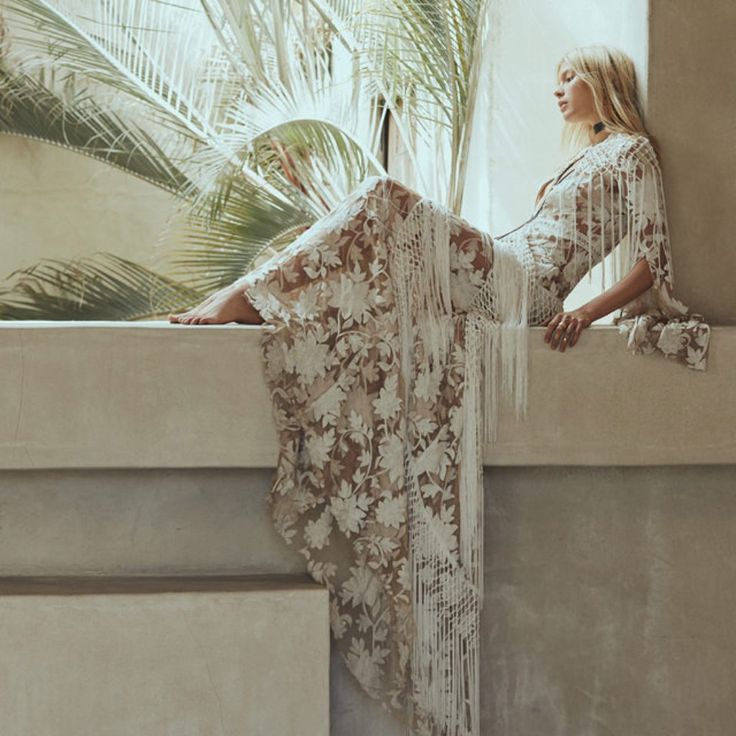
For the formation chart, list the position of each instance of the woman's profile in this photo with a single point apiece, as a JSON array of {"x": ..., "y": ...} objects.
[{"x": 392, "y": 330}]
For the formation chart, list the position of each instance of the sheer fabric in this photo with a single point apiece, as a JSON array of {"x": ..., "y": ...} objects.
[
  {"x": 364, "y": 352},
  {"x": 392, "y": 330}
]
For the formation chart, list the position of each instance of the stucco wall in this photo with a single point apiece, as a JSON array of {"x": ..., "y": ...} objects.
[
  {"x": 56, "y": 203},
  {"x": 692, "y": 109},
  {"x": 609, "y": 592},
  {"x": 153, "y": 394}
]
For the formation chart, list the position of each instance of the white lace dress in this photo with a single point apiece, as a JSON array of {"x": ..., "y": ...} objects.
[
  {"x": 387, "y": 325},
  {"x": 611, "y": 193}
]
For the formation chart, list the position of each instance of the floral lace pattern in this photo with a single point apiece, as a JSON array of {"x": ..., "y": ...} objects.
[{"x": 330, "y": 354}]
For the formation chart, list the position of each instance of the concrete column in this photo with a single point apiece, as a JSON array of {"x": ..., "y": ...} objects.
[{"x": 692, "y": 111}]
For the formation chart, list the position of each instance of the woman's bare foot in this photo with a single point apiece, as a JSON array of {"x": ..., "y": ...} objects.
[{"x": 226, "y": 305}]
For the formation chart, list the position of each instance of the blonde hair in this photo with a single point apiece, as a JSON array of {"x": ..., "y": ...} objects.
[{"x": 611, "y": 76}]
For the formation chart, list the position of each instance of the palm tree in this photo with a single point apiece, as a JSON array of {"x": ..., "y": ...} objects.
[{"x": 258, "y": 116}]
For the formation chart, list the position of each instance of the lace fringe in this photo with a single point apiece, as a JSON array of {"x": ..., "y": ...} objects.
[
  {"x": 445, "y": 594},
  {"x": 631, "y": 191},
  {"x": 448, "y": 588}
]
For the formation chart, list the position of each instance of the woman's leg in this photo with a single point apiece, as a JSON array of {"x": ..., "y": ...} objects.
[
  {"x": 293, "y": 267},
  {"x": 470, "y": 255},
  {"x": 332, "y": 364}
]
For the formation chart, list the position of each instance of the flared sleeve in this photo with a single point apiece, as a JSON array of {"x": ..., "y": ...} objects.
[{"x": 655, "y": 320}]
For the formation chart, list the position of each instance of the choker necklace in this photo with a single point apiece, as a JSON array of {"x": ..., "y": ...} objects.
[{"x": 598, "y": 127}]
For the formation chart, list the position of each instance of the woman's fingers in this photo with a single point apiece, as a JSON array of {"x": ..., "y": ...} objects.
[
  {"x": 576, "y": 336},
  {"x": 567, "y": 337},
  {"x": 564, "y": 328},
  {"x": 559, "y": 330},
  {"x": 563, "y": 331},
  {"x": 552, "y": 326}
]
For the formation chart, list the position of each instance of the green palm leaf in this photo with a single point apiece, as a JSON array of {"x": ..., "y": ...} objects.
[
  {"x": 160, "y": 55},
  {"x": 239, "y": 222},
  {"x": 29, "y": 109},
  {"x": 98, "y": 287},
  {"x": 221, "y": 241}
]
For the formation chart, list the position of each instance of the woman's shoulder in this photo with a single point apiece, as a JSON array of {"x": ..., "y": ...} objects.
[{"x": 634, "y": 146}]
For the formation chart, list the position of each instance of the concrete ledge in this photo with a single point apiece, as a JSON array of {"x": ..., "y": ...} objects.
[
  {"x": 125, "y": 585},
  {"x": 136, "y": 657},
  {"x": 157, "y": 395}
]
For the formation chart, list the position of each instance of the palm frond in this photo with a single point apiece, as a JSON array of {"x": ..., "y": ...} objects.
[
  {"x": 427, "y": 55},
  {"x": 237, "y": 225},
  {"x": 159, "y": 53},
  {"x": 98, "y": 287},
  {"x": 31, "y": 110},
  {"x": 312, "y": 162},
  {"x": 303, "y": 91}
]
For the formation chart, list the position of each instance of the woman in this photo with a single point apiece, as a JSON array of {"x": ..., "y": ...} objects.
[{"x": 381, "y": 320}]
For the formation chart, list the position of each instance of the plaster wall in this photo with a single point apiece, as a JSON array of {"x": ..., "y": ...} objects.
[
  {"x": 138, "y": 657},
  {"x": 692, "y": 109},
  {"x": 55, "y": 203},
  {"x": 609, "y": 591},
  {"x": 154, "y": 394}
]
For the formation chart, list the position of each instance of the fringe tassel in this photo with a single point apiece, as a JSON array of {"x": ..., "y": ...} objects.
[
  {"x": 447, "y": 589},
  {"x": 624, "y": 215},
  {"x": 500, "y": 332},
  {"x": 446, "y": 594}
]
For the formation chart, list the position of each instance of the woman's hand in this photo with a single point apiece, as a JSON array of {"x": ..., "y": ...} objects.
[{"x": 564, "y": 328}]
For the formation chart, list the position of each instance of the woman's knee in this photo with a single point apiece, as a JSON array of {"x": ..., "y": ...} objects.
[
  {"x": 388, "y": 187},
  {"x": 379, "y": 184}
]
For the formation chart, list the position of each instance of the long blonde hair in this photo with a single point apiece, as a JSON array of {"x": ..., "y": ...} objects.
[{"x": 611, "y": 76}]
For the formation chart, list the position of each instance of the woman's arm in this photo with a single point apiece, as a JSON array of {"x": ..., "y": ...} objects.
[
  {"x": 563, "y": 330},
  {"x": 636, "y": 282}
]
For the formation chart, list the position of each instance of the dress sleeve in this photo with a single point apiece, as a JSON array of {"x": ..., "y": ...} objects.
[{"x": 655, "y": 320}]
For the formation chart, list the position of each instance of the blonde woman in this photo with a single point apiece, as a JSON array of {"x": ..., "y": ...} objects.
[{"x": 380, "y": 321}]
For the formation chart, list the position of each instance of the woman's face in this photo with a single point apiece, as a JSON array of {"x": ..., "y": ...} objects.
[{"x": 574, "y": 97}]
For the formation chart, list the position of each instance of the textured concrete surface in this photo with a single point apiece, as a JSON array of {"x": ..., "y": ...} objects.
[
  {"x": 210, "y": 660},
  {"x": 140, "y": 522},
  {"x": 55, "y": 203},
  {"x": 110, "y": 394},
  {"x": 610, "y": 602},
  {"x": 609, "y": 590},
  {"x": 689, "y": 112}
]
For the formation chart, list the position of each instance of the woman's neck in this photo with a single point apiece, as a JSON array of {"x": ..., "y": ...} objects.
[{"x": 601, "y": 135}]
